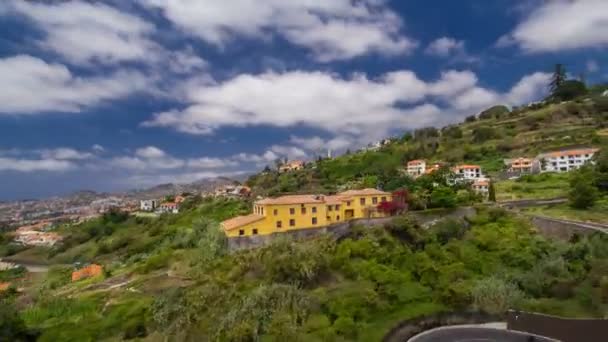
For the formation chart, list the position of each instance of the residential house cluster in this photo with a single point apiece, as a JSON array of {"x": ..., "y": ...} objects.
[
  {"x": 293, "y": 212},
  {"x": 292, "y": 165},
  {"x": 464, "y": 172},
  {"x": 232, "y": 191},
  {"x": 158, "y": 206},
  {"x": 557, "y": 161},
  {"x": 34, "y": 235},
  {"x": 88, "y": 271}
]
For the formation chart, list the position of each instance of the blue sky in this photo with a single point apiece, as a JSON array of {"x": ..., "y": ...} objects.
[{"x": 112, "y": 95}]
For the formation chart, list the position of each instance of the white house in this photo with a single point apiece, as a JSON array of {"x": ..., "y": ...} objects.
[
  {"x": 567, "y": 160},
  {"x": 416, "y": 168},
  {"x": 481, "y": 186},
  {"x": 148, "y": 205},
  {"x": 468, "y": 172}
]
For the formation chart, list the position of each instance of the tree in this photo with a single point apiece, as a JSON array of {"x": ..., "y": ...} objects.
[
  {"x": 483, "y": 133},
  {"x": 583, "y": 193},
  {"x": 443, "y": 197},
  {"x": 559, "y": 76},
  {"x": 492, "y": 192},
  {"x": 569, "y": 90}
]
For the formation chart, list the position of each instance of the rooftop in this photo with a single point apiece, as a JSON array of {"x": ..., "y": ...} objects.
[{"x": 241, "y": 221}]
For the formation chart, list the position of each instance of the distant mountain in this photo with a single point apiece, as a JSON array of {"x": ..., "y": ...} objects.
[{"x": 161, "y": 190}]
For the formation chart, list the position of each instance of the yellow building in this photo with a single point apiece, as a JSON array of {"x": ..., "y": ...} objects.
[{"x": 273, "y": 215}]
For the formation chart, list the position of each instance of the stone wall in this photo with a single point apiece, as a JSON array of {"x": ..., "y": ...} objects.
[
  {"x": 563, "y": 329},
  {"x": 564, "y": 229}
]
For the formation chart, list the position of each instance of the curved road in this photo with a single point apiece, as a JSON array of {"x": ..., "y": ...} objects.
[{"x": 473, "y": 333}]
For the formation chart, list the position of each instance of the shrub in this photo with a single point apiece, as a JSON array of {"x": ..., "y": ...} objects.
[
  {"x": 569, "y": 90},
  {"x": 484, "y": 133},
  {"x": 493, "y": 112},
  {"x": 494, "y": 295},
  {"x": 583, "y": 193}
]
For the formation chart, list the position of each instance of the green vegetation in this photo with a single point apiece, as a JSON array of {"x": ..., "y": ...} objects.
[
  {"x": 544, "y": 185},
  {"x": 319, "y": 289}
]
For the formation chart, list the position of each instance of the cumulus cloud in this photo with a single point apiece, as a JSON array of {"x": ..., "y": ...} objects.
[
  {"x": 32, "y": 165},
  {"x": 354, "y": 109},
  {"x": 561, "y": 25},
  {"x": 333, "y": 30},
  {"x": 444, "y": 47},
  {"x": 31, "y": 85},
  {"x": 85, "y": 32},
  {"x": 65, "y": 153},
  {"x": 98, "y": 148}
]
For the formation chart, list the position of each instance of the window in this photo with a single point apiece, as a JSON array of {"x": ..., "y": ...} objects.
[
  {"x": 292, "y": 211},
  {"x": 314, "y": 209},
  {"x": 241, "y": 232},
  {"x": 275, "y": 212},
  {"x": 348, "y": 203},
  {"x": 383, "y": 199},
  {"x": 314, "y": 220},
  {"x": 279, "y": 224},
  {"x": 328, "y": 218},
  {"x": 337, "y": 207},
  {"x": 338, "y": 218},
  {"x": 303, "y": 211},
  {"x": 292, "y": 222},
  {"x": 374, "y": 200},
  {"x": 254, "y": 231},
  {"x": 362, "y": 201},
  {"x": 329, "y": 208}
]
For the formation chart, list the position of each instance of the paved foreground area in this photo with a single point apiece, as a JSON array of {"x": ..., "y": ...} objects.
[{"x": 474, "y": 333}]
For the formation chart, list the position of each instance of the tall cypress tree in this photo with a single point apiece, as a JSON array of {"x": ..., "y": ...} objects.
[
  {"x": 492, "y": 193},
  {"x": 559, "y": 76}
]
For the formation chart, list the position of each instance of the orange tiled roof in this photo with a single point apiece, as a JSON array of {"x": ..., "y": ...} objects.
[
  {"x": 573, "y": 152},
  {"x": 4, "y": 286},
  {"x": 292, "y": 199},
  {"x": 467, "y": 166},
  {"x": 363, "y": 192},
  {"x": 481, "y": 182},
  {"x": 240, "y": 221},
  {"x": 336, "y": 199},
  {"x": 415, "y": 162}
]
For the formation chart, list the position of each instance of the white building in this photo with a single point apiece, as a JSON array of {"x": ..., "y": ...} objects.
[
  {"x": 567, "y": 160},
  {"x": 148, "y": 205},
  {"x": 481, "y": 186},
  {"x": 468, "y": 172},
  {"x": 416, "y": 167}
]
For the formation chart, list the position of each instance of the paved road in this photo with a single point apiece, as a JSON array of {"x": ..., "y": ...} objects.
[
  {"x": 600, "y": 227},
  {"x": 472, "y": 333}
]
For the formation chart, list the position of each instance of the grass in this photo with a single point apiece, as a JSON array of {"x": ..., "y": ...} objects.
[
  {"x": 545, "y": 185},
  {"x": 598, "y": 213}
]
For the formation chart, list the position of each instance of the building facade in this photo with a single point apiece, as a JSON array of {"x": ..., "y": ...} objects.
[
  {"x": 274, "y": 215},
  {"x": 148, "y": 205},
  {"x": 481, "y": 186},
  {"x": 416, "y": 168},
  {"x": 520, "y": 165},
  {"x": 468, "y": 172},
  {"x": 565, "y": 161},
  {"x": 292, "y": 166}
]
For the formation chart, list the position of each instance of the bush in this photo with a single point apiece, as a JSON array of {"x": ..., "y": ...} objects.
[
  {"x": 569, "y": 90},
  {"x": 583, "y": 193},
  {"x": 484, "y": 133},
  {"x": 495, "y": 296},
  {"x": 494, "y": 112}
]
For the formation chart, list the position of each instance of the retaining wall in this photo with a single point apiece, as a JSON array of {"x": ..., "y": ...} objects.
[
  {"x": 564, "y": 229},
  {"x": 563, "y": 329}
]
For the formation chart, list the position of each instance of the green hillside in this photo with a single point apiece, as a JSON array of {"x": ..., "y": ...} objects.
[
  {"x": 485, "y": 140},
  {"x": 180, "y": 283}
]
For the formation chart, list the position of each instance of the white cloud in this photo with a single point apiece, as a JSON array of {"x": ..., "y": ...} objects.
[
  {"x": 356, "y": 109},
  {"x": 32, "y": 165},
  {"x": 562, "y": 25},
  {"x": 85, "y": 32},
  {"x": 592, "y": 66},
  {"x": 337, "y": 29},
  {"x": 291, "y": 152},
  {"x": 98, "y": 148},
  {"x": 30, "y": 85},
  {"x": 210, "y": 163},
  {"x": 64, "y": 153},
  {"x": 150, "y": 152},
  {"x": 444, "y": 47}
]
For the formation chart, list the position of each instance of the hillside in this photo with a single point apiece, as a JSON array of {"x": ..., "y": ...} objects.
[
  {"x": 485, "y": 140},
  {"x": 172, "y": 277}
]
